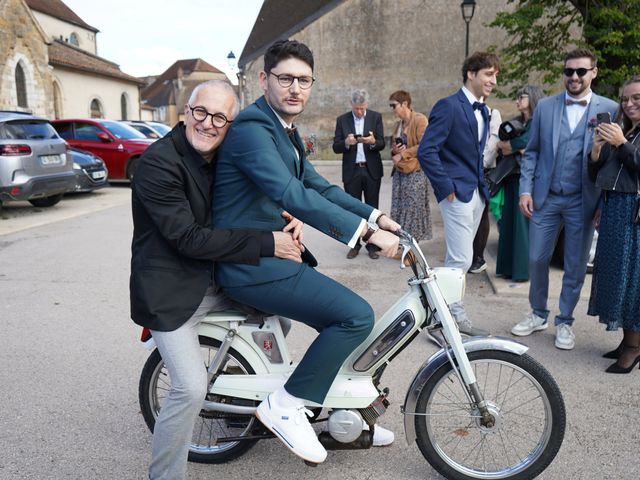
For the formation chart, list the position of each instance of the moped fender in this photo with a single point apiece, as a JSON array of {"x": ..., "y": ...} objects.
[{"x": 439, "y": 358}]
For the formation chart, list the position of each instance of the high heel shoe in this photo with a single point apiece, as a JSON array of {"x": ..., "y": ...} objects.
[
  {"x": 615, "y": 368},
  {"x": 614, "y": 354}
]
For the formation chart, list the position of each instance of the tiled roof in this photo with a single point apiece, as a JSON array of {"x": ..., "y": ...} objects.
[
  {"x": 281, "y": 19},
  {"x": 65, "y": 55},
  {"x": 161, "y": 91},
  {"x": 57, "y": 9}
]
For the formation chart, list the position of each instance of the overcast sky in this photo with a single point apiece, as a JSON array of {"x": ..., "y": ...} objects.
[{"x": 145, "y": 37}]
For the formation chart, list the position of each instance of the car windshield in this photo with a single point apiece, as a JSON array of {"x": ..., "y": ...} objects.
[
  {"x": 161, "y": 127},
  {"x": 122, "y": 131},
  {"x": 146, "y": 131},
  {"x": 27, "y": 130}
]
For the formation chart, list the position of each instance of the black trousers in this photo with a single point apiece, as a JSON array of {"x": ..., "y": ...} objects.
[
  {"x": 482, "y": 235},
  {"x": 362, "y": 185}
]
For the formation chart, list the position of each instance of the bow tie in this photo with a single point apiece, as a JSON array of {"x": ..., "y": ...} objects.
[
  {"x": 290, "y": 131},
  {"x": 569, "y": 102},
  {"x": 478, "y": 106}
]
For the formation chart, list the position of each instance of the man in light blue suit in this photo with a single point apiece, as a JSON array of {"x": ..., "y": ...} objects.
[
  {"x": 555, "y": 190},
  {"x": 451, "y": 153},
  {"x": 261, "y": 170}
]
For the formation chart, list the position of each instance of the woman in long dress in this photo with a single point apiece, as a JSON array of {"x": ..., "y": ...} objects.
[{"x": 410, "y": 187}]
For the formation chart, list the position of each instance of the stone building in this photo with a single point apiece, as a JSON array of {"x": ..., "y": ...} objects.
[
  {"x": 378, "y": 45},
  {"x": 49, "y": 65},
  {"x": 169, "y": 92}
]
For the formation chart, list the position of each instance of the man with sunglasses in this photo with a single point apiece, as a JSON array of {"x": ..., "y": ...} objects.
[
  {"x": 359, "y": 137},
  {"x": 172, "y": 254},
  {"x": 555, "y": 190},
  {"x": 262, "y": 168}
]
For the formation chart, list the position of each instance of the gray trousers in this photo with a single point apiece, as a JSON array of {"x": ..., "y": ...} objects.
[{"x": 461, "y": 222}]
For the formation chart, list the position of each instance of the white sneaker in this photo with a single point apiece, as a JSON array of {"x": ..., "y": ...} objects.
[
  {"x": 531, "y": 323},
  {"x": 381, "y": 436},
  {"x": 291, "y": 426},
  {"x": 565, "y": 338}
]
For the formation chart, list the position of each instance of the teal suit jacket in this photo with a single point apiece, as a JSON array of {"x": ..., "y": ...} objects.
[{"x": 258, "y": 175}]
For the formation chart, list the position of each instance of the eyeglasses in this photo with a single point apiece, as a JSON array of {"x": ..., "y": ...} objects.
[
  {"x": 393, "y": 105},
  {"x": 523, "y": 96},
  {"x": 635, "y": 98},
  {"x": 568, "y": 72},
  {"x": 200, "y": 114},
  {"x": 285, "y": 80}
]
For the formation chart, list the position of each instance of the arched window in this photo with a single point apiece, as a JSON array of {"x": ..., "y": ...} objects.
[
  {"x": 21, "y": 87},
  {"x": 73, "y": 39},
  {"x": 96, "y": 108},
  {"x": 123, "y": 107}
]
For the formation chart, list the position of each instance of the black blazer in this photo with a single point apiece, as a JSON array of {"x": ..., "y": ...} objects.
[
  {"x": 344, "y": 126},
  {"x": 173, "y": 242}
]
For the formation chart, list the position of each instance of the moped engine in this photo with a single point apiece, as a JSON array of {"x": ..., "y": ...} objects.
[{"x": 345, "y": 425}]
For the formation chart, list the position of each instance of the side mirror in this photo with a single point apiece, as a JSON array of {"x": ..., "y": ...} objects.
[{"x": 104, "y": 137}]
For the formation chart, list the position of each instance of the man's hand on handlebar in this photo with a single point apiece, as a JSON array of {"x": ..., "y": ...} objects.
[
  {"x": 387, "y": 241},
  {"x": 386, "y": 223}
]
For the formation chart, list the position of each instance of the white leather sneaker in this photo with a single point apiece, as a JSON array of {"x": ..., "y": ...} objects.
[
  {"x": 291, "y": 426},
  {"x": 381, "y": 436},
  {"x": 531, "y": 323},
  {"x": 565, "y": 338}
]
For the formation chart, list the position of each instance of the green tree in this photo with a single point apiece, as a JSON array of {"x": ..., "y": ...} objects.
[{"x": 540, "y": 32}]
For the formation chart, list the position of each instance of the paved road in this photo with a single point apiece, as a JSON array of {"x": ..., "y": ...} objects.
[{"x": 70, "y": 359}]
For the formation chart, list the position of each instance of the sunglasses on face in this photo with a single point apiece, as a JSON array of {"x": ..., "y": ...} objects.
[
  {"x": 635, "y": 98},
  {"x": 568, "y": 72}
]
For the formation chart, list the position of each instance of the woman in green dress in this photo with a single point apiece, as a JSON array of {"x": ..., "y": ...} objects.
[{"x": 513, "y": 244}]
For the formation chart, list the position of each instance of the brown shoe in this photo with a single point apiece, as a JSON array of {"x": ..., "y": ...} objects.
[
  {"x": 353, "y": 253},
  {"x": 374, "y": 255}
]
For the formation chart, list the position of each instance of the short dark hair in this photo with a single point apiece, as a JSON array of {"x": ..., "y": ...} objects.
[
  {"x": 401, "y": 96},
  {"x": 582, "y": 53},
  {"x": 284, "y": 49},
  {"x": 477, "y": 61}
]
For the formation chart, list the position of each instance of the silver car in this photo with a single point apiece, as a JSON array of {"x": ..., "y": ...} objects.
[{"x": 34, "y": 165}]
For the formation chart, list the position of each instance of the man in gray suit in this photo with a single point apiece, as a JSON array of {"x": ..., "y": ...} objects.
[{"x": 555, "y": 190}]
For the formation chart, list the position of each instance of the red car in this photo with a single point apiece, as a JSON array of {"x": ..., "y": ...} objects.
[{"x": 119, "y": 145}]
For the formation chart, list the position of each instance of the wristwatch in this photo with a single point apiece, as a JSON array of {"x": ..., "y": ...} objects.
[{"x": 373, "y": 228}]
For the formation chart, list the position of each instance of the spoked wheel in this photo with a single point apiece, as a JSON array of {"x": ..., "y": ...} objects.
[
  {"x": 155, "y": 385},
  {"x": 525, "y": 402}
]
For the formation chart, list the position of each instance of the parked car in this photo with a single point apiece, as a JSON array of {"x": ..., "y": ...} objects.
[
  {"x": 91, "y": 172},
  {"x": 33, "y": 161},
  {"x": 159, "y": 127},
  {"x": 119, "y": 145},
  {"x": 147, "y": 130}
]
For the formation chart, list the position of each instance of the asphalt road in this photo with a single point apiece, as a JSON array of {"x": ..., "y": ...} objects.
[{"x": 70, "y": 359}]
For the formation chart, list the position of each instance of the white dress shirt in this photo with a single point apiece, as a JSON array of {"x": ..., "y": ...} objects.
[
  {"x": 575, "y": 111},
  {"x": 471, "y": 97}
]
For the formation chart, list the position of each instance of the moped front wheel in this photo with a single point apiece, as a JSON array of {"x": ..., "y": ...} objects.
[
  {"x": 155, "y": 384},
  {"x": 525, "y": 402}
]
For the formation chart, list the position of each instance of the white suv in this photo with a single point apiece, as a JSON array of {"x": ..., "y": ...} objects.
[{"x": 34, "y": 165}]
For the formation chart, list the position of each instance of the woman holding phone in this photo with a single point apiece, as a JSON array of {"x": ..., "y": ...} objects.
[
  {"x": 615, "y": 167},
  {"x": 410, "y": 188}
]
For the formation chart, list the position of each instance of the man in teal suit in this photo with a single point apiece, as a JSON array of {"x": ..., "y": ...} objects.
[{"x": 261, "y": 170}]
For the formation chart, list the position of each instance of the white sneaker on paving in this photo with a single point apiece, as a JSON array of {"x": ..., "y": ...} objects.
[
  {"x": 531, "y": 323},
  {"x": 381, "y": 436},
  {"x": 565, "y": 338},
  {"x": 291, "y": 426}
]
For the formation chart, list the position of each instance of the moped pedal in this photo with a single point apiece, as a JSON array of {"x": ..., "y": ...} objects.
[{"x": 310, "y": 464}]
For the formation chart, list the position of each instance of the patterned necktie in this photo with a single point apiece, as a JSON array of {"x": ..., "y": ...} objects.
[{"x": 570, "y": 102}]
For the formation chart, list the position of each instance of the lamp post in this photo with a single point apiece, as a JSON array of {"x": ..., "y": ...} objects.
[
  {"x": 231, "y": 60},
  {"x": 468, "y": 8}
]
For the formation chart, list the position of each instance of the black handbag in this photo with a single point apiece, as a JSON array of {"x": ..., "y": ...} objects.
[{"x": 505, "y": 166}]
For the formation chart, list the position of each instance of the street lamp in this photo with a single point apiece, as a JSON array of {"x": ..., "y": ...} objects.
[
  {"x": 468, "y": 8},
  {"x": 231, "y": 60}
]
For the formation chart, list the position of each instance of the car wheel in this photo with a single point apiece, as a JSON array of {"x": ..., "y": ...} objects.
[
  {"x": 131, "y": 167},
  {"x": 46, "y": 201}
]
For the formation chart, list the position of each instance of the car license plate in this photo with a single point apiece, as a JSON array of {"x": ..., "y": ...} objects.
[
  {"x": 98, "y": 175},
  {"x": 52, "y": 160}
]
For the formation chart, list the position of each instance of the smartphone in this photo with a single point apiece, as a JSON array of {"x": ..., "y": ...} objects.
[
  {"x": 604, "y": 117},
  {"x": 399, "y": 141},
  {"x": 357, "y": 135}
]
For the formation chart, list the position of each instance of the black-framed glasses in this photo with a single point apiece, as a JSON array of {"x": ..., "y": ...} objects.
[
  {"x": 200, "y": 114},
  {"x": 635, "y": 98},
  {"x": 580, "y": 71},
  {"x": 393, "y": 105},
  {"x": 285, "y": 80}
]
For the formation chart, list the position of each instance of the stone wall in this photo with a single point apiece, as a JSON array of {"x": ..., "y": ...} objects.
[
  {"x": 21, "y": 41},
  {"x": 383, "y": 46}
]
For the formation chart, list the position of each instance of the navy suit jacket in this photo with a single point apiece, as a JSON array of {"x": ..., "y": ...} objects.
[
  {"x": 540, "y": 154},
  {"x": 258, "y": 174},
  {"x": 449, "y": 151}
]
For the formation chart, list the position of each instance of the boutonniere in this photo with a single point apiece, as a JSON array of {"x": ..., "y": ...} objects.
[{"x": 593, "y": 123}]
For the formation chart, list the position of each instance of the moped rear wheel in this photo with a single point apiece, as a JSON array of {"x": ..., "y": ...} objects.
[
  {"x": 529, "y": 417},
  {"x": 155, "y": 384}
]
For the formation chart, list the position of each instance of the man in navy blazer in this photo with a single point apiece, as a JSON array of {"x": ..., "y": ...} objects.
[
  {"x": 261, "y": 171},
  {"x": 450, "y": 154},
  {"x": 359, "y": 137},
  {"x": 555, "y": 190}
]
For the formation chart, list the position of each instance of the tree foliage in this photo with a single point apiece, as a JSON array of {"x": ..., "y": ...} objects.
[{"x": 540, "y": 32}]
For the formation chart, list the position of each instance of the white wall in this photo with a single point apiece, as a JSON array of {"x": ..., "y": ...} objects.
[
  {"x": 78, "y": 89},
  {"x": 55, "y": 27}
]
